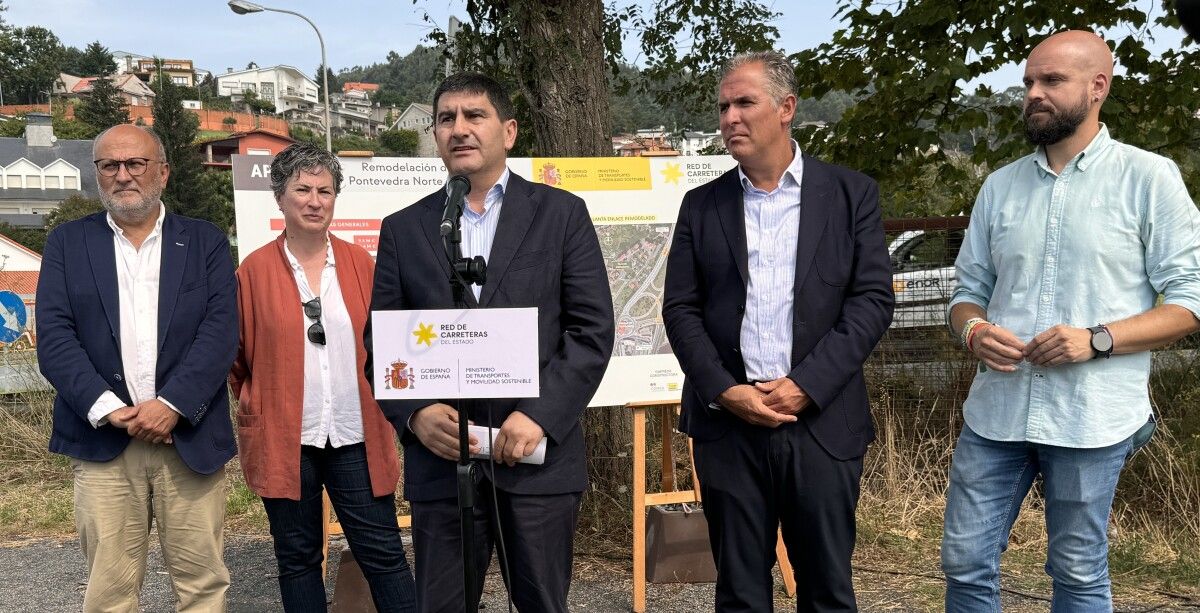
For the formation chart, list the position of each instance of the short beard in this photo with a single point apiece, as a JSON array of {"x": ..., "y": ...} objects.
[
  {"x": 1060, "y": 125},
  {"x": 135, "y": 214}
]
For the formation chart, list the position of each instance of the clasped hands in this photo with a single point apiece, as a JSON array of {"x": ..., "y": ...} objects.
[
  {"x": 436, "y": 426},
  {"x": 150, "y": 421},
  {"x": 1001, "y": 350},
  {"x": 768, "y": 403}
]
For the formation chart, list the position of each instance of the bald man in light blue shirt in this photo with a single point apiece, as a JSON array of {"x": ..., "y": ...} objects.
[{"x": 1066, "y": 256}]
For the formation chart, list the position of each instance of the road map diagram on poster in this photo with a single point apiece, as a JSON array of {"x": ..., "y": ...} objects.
[
  {"x": 636, "y": 257},
  {"x": 633, "y": 201}
]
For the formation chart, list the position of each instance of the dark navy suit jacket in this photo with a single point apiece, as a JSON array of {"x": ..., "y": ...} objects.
[
  {"x": 79, "y": 337},
  {"x": 545, "y": 255},
  {"x": 843, "y": 302}
]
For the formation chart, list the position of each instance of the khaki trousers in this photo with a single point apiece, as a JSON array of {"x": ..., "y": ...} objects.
[{"x": 116, "y": 501}]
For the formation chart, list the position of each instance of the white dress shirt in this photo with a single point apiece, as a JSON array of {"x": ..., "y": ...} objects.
[
  {"x": 137, "y": 293},
  {"x": 332, "y": 406},
  {"x": 772, "y": 231},
  {"x": 479, "y": 229}
]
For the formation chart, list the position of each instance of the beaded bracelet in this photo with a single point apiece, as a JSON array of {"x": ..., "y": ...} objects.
[
  {"x": 966, "y": 329},
  {"x": 971, "y": 333}
]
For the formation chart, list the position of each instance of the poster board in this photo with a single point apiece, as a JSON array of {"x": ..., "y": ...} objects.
[{"x": 633, "y": 201}]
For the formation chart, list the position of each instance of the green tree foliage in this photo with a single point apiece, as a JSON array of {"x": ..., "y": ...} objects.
[
  {"x": 257, "y": 105},
  {"x": 69, "y": 129},
  {"x": 177, "y": 127},
  {"x": 30, "y": 238},
  {"x": 74, "y": 207},
  {"x": 190, "y": 190},
  {"x": 216, "y": 205},
  {"x": 30, "y": 59},
  {"x": 335, "y": 85},
  {"x": 907, "y": 65},
  {"x": 402, "y": 143},
  {"x": 94, "y": 61},
  {"x": 402, "y": 80},
  {"x": 104, "y": 108},
  {"x": 305, "y": 135},
  {"x": 684, "y": 43},
  {"x": 352, "y": 142},
  {"x": 555, "y": 54},
  {"x": 206, "y": 89},
  {"x": 12, "y": 128}
]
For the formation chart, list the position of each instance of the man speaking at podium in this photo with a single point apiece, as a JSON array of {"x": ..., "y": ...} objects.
[
  {"x": 541, "y": 251},
  {"x": 778, "y": 287}
]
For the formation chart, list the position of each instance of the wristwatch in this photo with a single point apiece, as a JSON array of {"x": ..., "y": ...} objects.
[{"x": 1102, "y": 341}]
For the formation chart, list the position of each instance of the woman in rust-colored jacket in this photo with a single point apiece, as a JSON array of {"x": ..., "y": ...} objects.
[{"x": 307, "y": 419}]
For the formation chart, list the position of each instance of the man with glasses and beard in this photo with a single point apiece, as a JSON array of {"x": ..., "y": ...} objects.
[
  {"x": 137, "y": 328},
  {"x": 1066, "y": 256}
]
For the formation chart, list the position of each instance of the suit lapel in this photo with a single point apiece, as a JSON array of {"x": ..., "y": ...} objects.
[
  {"x": 731, "y": 210},
  {"x": 431, "y": 222},
  {"x": 174, "y": 246},
  {"x": 520, "y": 206},
  {"x": 814, "y": 210},
  {"x": 103, "y": 259}
]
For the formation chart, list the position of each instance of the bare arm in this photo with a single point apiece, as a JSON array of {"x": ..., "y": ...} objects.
[{"x": 1153, "y": 329}]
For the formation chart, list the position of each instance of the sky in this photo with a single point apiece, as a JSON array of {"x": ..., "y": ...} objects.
[{"x": 356, "y": 32}]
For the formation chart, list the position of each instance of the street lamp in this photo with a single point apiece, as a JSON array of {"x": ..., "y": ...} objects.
[{"x": 242, "y": 7}]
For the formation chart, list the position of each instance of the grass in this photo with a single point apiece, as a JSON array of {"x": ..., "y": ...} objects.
[
  {"x": 203, "y": 135},
  {"x": 1154, "y": 533}
]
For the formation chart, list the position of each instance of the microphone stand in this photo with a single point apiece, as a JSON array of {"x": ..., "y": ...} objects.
[{"x": 463, "y": 273}]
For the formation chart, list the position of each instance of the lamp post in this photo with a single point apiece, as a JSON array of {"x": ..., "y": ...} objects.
[{"x": 242, "y": 7}]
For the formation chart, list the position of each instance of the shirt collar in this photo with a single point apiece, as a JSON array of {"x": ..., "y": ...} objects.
[
  {"x": 1084, "y": 158},
  {"x": 295, "y": 263},
  {"x": 494, "y": 195},
  {"x": 794, "y": 171},
  {"x": 162, "y": 214}
]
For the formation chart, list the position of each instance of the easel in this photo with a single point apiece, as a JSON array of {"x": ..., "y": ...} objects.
[{"x": 667, "y": 411}]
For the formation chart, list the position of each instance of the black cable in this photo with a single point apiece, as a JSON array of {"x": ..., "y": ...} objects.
[{"x": 502, "y": 555}]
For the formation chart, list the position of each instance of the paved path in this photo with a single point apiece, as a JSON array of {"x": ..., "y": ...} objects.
[{"x": 43, "y": 575}]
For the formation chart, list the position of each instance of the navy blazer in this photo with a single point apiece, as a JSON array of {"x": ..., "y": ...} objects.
[
  {"x": 79, "y": 337},
  {"x": 545, "y": 255},
  {"x": 843, "y": 302}
]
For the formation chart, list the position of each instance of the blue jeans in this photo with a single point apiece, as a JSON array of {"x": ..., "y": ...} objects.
[
  {"x": 368, "y": 522},
  {"x": 988, "y": 481}
]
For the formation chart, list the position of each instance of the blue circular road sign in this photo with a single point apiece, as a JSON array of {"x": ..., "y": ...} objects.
[{"x": 13, "y": 317}]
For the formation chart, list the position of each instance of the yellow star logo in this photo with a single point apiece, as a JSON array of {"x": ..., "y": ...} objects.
[
  {"x": 425, "y": 334},
  {"x": 671, "y": 173}
]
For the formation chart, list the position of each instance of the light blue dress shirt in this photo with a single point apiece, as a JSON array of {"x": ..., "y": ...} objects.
[
  {"x": 479, "y": 229},
  {"x": 1095, "y": 244},
  {"x": 772, "y": 231}
]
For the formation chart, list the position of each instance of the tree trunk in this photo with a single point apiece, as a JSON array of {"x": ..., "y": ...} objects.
[{"x": 562, "y": 70}]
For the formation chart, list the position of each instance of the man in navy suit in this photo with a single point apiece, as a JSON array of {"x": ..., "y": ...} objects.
[
  {"x": 778, "y": 286},
  {"x": 541, "y": 251},
  {"x": 137, "y": 329}
]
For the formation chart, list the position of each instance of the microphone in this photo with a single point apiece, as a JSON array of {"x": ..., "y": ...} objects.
[
  {"x": 1188, "y": 12},
  {"x": 457, "y": 188}
]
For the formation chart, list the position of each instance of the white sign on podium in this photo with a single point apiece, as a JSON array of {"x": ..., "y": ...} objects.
[{"x": 455, "y": 353}]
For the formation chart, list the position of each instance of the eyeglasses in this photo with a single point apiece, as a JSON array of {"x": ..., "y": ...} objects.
[
  {"x": 135, "y": 166},
  {"x": 316, "y": 332}
]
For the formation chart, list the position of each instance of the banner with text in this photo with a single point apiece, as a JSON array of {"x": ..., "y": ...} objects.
[{"x": 633, "y": 201}]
